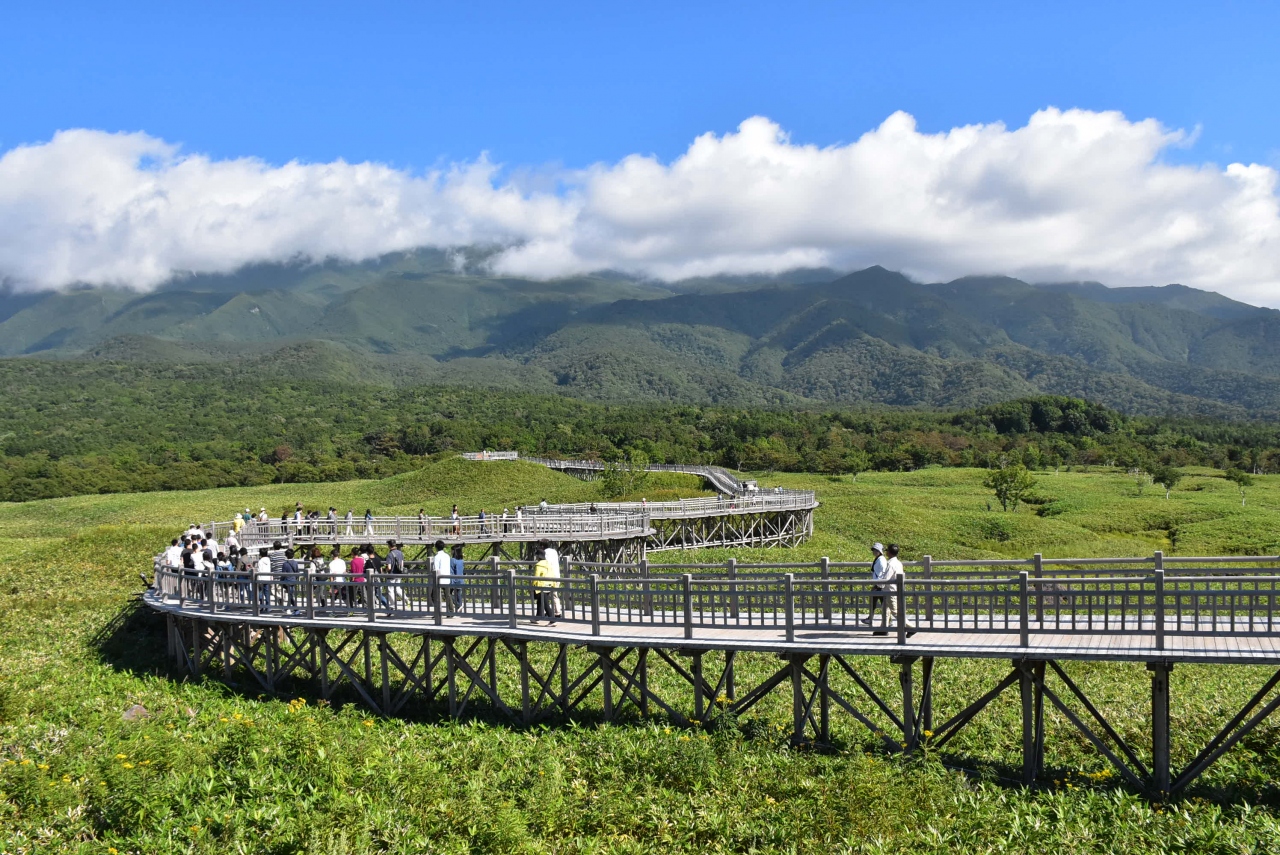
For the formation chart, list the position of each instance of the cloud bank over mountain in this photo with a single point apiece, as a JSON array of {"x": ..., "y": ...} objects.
[{"x": 1071, "y": 195}]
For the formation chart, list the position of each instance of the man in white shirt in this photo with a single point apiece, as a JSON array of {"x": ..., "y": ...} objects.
[
  {"x": 443, "y": 570},
  {"x": 262, "y": 571},
  {"x": 553, "y": 557},
  {"x": 887, "y": 570},
  {"x": 173, "y": 555},
  {"x": 879, "y": 573}
]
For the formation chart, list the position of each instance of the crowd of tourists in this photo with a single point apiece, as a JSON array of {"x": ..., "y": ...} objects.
[
  {"x": 338, "y": 577},
  {"x": 308, "y": 523}
]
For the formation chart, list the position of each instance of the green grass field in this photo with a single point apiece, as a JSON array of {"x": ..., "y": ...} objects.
[{"x": 216, "y": 768}]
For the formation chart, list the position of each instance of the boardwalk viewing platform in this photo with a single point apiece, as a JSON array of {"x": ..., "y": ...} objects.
[
  {"x": 601, "y": 531},
  {"x": 377, "y": 636}
]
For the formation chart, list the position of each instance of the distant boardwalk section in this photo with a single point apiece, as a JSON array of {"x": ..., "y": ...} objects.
[{"x": 741, "y": 516}]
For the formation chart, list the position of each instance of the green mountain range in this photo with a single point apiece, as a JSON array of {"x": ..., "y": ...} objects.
[{"x": 803, "y": 338}]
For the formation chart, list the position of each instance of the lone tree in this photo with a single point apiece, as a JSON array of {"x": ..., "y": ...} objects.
[
  {"x": 1167, "y": 477},
  {"x": 1240, "y": 479},
  {"x": 1011, "y": 484},
  {"x": 626, "y": 475}
]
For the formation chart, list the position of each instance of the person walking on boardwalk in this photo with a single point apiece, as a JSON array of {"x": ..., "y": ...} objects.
[
  {"x": 457, "y": 522},
  {"x": 506, "y": 521},
  {"x": 457, "y": 569},
  {"x": 890, "y": 569},
  {"x": 332, "y": 518},
  {"x": 351, "y": 514},
  {"x": 422, "y": 522},
  {"x": 441, "y": 568},
  {"x": 484, "y": 528},
  {"x": 896, "y": 571},
  {"x": 879, "y": 571},
  {"x": 547, "y": 582},
  {"x": 368, "y": 522}
]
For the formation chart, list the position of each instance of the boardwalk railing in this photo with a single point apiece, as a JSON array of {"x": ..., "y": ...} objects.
[
  {"x": 530, "y": 526},
  {"x": 722, "y": 479},
  {"x": 774, "y": 599},
  {"x": 789, "y": 500}
]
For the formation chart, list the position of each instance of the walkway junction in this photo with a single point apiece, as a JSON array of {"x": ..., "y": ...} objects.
[
  {"x": 641, "y": 638},
  {"x": 741, "y": 515}
]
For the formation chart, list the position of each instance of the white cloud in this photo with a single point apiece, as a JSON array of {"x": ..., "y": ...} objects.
[{"x": 1073, "y": 194}]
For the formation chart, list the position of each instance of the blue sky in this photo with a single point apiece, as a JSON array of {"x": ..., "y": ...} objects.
[
  {"x": 418, "y": 84},
  {"x": 1050, "y": 141}
]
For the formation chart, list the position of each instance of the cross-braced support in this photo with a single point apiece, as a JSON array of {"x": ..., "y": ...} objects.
[{"x": 388, "y": 671}]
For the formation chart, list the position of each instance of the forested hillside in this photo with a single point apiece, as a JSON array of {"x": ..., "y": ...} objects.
[
  {"x": 808, "y": 338},
  {"x": 75, "y": 427}
]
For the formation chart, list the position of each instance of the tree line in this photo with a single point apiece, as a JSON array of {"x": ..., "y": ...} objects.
[{"x": 72, "y": 428}]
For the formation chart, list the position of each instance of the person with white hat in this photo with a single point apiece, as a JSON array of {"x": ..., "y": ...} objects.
[{"x": 879, "y": 570}]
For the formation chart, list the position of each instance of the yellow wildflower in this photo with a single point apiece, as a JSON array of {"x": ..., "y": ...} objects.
[{"x": 127, "y": 765}]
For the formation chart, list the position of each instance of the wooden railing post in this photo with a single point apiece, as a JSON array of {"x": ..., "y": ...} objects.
[
  {"x": 1024, "y": 621},
  {"x": 595, "y": 603},
  {"x": 687, "y": 584},
  {"x": 789, "y": 601},
  {"x": 901, "y": 594},
  {"x": 311, "y": 595},
  {"x": 1038, "y": 560},
  {"x": 731, "y": 569},
  {"x": 494, "y": 601},
  {"x": 926, "y": 570},
  {"x": 511, "y": 598},
  {"x": 437, "y": 594},
  {"x": 1159, "y": 607},
  {"x": 826, "y": 588},
  {"x": 369, "y": 590},
  {"x": 646, "y": 592},
  {"x": 254, "y": 587}
]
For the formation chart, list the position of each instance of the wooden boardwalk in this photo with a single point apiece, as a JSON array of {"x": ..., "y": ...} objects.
[{"x": 394, "y": 638}]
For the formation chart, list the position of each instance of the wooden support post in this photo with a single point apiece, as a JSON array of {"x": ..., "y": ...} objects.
[
  {"x": 606, "y": 682},
  {"x": 564, "y": 677},
  {"x": 643, "y": 671},
  {"x": 493, "y": 668},
  {"x": 311, "y": 595},
  {"x": 699, "y": 697},
  {"x": 526, "y": 710},
  {"x": 729, "y": 689},
  {"x": 322, "y": 640},
  {"x": 824, "y": 699},
  {"x": 369, "y": 591},
  {"x": 383, "y": 644},
  {"x": 796, "y": 661},
  {"x": 926, "y": 694},
  {"x": 1160, "y": 742},
  {"x": 1026, "y": 691},
  {"x": 451, "y": 672},
  {"x": 906, "y": 675}
]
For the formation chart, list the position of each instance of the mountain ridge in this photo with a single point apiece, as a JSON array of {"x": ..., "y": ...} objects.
[{"x": 812, "y": 337}]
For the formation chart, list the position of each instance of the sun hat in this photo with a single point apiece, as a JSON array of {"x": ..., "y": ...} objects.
[{"x": 877, "y": 547}]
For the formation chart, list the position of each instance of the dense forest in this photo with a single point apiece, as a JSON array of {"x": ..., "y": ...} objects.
[{"x": 71, "y": 428}]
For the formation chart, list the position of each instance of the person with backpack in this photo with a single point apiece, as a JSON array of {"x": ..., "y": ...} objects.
[{"x": 547, "y": 585}]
